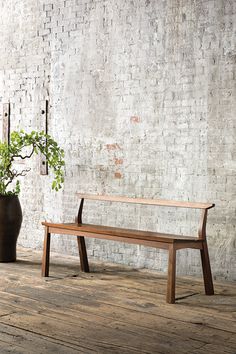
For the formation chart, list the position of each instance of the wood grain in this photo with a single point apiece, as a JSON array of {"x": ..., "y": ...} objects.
[
  {"x": 161, "y": 202},
  {"x": 113, "y": 309},
  {"x": 6, "y": 123},
  {"x": 46, "y": 252},
  {"x": 120, "y": 232},
  {"x": 170, "y": 293},
  {"x": 83, "y": 254}
]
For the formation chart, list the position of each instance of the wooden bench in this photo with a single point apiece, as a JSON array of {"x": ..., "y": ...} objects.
[{"x": 170, "y": 242}]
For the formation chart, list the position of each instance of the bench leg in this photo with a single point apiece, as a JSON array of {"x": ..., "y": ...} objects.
[
  {"x": 83, "y": 254},
  {"x": 170, "y": 296},
  {"x": 206, "y": 269},
  {"x": 46, "y": 253}
]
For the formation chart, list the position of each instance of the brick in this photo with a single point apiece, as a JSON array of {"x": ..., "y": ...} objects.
[{"x": 142, "y": 99}]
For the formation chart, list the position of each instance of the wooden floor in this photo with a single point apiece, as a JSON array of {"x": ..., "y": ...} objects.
[{"x": 114, "y": 309}]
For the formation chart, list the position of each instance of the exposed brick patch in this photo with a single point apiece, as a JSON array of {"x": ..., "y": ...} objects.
[
  {"x": 118, "y": 161},
  {"x": 135, "y": 119},
  {"x": 110, "y": 147},
  {"x": 118, "y": 175}
]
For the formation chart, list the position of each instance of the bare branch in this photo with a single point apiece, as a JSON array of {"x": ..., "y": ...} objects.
[
  {"x": 23, "y": 157},
  {"x": 14, "y": 174},
  {"x": 22, "y": 173}
]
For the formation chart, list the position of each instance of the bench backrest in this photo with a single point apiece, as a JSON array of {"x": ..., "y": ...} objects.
[
  {"x": 167, "y": 203},
  {"x": 162, "y": 202}
]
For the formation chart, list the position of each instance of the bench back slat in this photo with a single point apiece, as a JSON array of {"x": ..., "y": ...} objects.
[{"x": 162, "y": 202}]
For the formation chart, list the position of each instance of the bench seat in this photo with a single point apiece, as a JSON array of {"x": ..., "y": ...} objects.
[{"x": 108, "y": 233}]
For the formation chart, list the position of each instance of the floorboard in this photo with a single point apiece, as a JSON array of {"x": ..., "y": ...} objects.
[{"x": 113, "y": 309}]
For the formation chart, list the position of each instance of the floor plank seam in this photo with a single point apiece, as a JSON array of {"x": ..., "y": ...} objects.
[{"x": 51, "y": 338}]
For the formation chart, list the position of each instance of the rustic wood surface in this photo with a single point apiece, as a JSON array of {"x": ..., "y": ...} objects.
[
  {"x": 113, "y": 309},
  {"x": 44, "y": 120},
  {"x": 6, "y": 123}
]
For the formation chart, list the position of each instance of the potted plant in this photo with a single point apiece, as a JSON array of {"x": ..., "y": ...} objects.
[{"x": 22, "y": 146}]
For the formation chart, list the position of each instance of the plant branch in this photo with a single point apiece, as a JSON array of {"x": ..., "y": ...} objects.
[
  {"x": 23, "y": 157},
  {"x": 37, "y": 142},
  {"x": 14, "y": 174}
]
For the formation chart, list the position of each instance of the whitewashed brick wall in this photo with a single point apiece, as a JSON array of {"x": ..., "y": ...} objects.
[{"x": 142, "y": 99}]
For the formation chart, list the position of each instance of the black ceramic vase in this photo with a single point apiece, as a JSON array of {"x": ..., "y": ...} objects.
[{"x": 10, "y": 224}]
